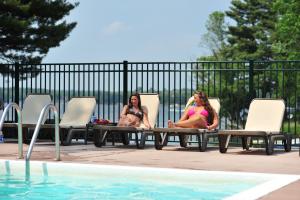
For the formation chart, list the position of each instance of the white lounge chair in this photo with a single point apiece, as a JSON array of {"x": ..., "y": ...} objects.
[
  {"x": 150, "y": 102},
  {"x": 264, "y": 120},
  {"x": 32, "y": 107},
  {"x": 76, "y": 117},
  {"x": 161, "y": 134}
]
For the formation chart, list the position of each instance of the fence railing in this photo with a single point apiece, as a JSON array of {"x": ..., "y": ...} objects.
[{"x": 235, "y": 83}]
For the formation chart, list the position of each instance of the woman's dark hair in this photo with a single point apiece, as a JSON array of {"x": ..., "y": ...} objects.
[
  {"x": 207, "y": 106},
  {"x": 137, "y": 95}
]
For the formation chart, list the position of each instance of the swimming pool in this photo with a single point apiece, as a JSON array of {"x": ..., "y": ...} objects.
[{"x": 85, "y": 181}]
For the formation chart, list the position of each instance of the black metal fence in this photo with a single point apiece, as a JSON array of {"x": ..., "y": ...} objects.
[{"x": 235, "y": 83}]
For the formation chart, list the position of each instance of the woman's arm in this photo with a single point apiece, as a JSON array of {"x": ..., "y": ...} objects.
[
  {"x": 215, "y": 122},
  {"x": 146, "y": 120},
  {"x": 124, "y": 111},
  {"x": 185, "y": 115},
  {"x": 123, "y": 121}
]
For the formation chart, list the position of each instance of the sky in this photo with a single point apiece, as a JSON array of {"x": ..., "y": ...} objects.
[{"x": 136, "y": 30}]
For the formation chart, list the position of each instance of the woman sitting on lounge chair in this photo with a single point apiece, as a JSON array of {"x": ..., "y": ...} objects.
[
  {"x": 133, "y": 114},
  {"x": 199, "y": 115}
]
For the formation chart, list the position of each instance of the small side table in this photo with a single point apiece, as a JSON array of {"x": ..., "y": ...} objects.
[{"x": 96, "y": 128}]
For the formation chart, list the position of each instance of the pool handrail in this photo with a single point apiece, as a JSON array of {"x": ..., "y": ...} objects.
[
  {"x": 20, "y": 135},
  {"x": 37, "y": 128}
]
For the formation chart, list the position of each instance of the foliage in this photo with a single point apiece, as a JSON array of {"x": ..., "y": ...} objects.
[
  {"x": 250, "y": 38},
  {"x": 261, "y": 31},
  {"x": 215, "y": 37},
  {"x": 292, "y": 128},
  {"x": 227, "y": 81},
  {"x": 287, "y": 34},
  {"x": 28, "y": 29}
]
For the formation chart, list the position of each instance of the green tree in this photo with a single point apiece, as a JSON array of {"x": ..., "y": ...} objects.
[
  {"x": 29, "y": 28},
  {"x": 250, "y": 37},
  {"x": 287, "y": 33},
  {"x": 215, "y": 37},
  {"x": 261, "y": 31}
]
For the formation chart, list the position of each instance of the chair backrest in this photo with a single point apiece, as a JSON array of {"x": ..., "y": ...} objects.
[
  {"x": 78, "y": 112},
  {"x": 33, "y": 106},
  {"x": 265, "y": 115},
  {"x": 214, "y": 102},
  {"x": 150, "y": 102}
]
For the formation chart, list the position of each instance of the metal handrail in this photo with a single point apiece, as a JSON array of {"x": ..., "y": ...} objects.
[
  {"x": 20, "y": 137},
  {"x": 37, "y": 128}
]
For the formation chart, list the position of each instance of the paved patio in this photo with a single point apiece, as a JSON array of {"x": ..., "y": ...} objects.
[{"x": 174, "y": 157}]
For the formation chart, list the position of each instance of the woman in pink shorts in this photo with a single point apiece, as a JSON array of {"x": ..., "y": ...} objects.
[{"x": 199, "y": 115}]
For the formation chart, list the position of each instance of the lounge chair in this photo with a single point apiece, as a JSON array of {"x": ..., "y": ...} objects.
[
  {"x": 76, "y": 117},
  {"x": 32, "y": 107},
  {"x": 150, "y": 102},
  {"x": 161, "y": 134},
  {"x": 264, "y": 120}
]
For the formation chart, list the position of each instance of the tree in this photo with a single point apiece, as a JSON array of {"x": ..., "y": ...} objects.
[
  {"x": 29, "y": 28},
  {"x": 287, "y": 32},
  {"x": 215, "y": 37},
  {"x": 250, "y": 38},
  {"x": 262, "y": 30}
]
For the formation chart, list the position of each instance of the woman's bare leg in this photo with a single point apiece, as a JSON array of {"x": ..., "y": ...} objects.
[
  {"x": 193, "y": 122},
  {"x": 135, "y": 124},
  {"x": 124, "y": 121},
  {"x": 127, "y": 121}
]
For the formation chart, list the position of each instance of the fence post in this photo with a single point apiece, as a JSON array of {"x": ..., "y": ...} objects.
[
  {"x": 125, "y": 81},
  {"x": 251, "y": 73},
  {"x": 17, "y": 79}
]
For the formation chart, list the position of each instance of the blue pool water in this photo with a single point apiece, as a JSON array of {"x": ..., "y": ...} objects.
[{"x": 75, "y": 181}]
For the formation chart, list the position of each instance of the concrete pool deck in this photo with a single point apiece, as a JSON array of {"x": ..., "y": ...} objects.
[{"x": 235, "y": 159}]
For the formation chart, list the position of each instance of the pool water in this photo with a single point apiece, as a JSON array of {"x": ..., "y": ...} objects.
[{"x": 81, "y": 181}]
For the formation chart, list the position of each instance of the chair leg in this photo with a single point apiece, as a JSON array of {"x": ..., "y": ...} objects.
[
  {"x": 269, "y": 140},
  {"x": 125, "y": 138},
  {"x": 86, "y": 134},
  {"x": 223, "y": 140},
  {"x": 245, "y": 142},
  {"x": 183, "y": 140},
  {"x": 137, "y": 140},
  {"x": 249, "y": 142},
  {"x": 287, "y": 142},
  {"x": 158, "y": 141},
  {"x": 141, "y": 143},
  {"x": 99, "y": 138},
  {"x": 63, "y": 136},
  {"x": 26, "y": 139},
  {"x": 165, "y": 139},
  {"x": 68, "y": 138},
  {"x": 144, "y": 138},
  {"x": 202, "y": 141}
]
